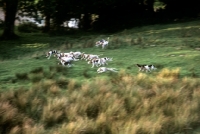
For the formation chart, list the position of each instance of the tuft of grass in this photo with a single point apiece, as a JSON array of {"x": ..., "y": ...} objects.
[
  {"x": 55, "y": 111},
  {"x": 62, "y": 82},
  {"x": 72, "y": 84},
  {"x": 78, "y": 126},
  {"x": 33, "y": 129},
  {"x": 54, "y": 90},
  {"x": 169, "y": 74}
]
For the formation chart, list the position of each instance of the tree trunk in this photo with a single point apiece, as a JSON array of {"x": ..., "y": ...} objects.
[
  {"x": 47, "y": 24},
  {"x": 86, "y": 22},
  {"x": 10, "y": 10}
]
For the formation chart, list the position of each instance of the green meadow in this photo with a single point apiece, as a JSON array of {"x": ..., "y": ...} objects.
[{"x": 40, "y": 96}]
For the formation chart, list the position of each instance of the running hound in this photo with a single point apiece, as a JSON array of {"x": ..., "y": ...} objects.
[
  {"x": 147, "y": 68},
  {"x": 50, "y": 53},
  {"x": 88, "y": 56},
  {"x": 76, "y": 55},
  {"x": 67, "y": 61},
  {"x": 99, "y": 61},
  {"x": 105, "y": 69},
  {"x": 103, "y": 43},
  {"x": 59, "y": 55}
]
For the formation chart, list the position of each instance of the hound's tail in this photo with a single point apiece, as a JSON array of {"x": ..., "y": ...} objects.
[
  {"x": 108, "y": 39},
  {"x": 138, "y": 65}
]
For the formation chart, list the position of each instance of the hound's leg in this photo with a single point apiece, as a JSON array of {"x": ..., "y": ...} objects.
[
  {"x": 92, "y": 65},
  {"x": 49, "y": 56}
]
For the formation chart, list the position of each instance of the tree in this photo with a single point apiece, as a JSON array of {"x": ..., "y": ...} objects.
[
  {"x": 181, "y": 8},
  {"x": 57, "y": 11},
  {"x": 10, "y": 10},
  {"x": 46, "y": 8}
]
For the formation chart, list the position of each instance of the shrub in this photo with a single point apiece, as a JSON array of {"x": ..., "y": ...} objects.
[
  {"x": 62, "y": 82},
  {"x": 28, "y": 27},
  {"x": 22, "y": 76},
  {"x": 37, "y": 70},
  {"x": 36, "y": 77}
]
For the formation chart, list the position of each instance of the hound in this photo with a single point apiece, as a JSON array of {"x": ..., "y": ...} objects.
[
  {"x": 92, "y": 56},
  {"x": 67, "y": 61},
  {"x": 99, "y": 61},
  {"x": 105, "y": 69},
  {"x": 103, "y": 43},
  {"x": 59, "y": 55},
  {"x": 147, "y": 68},
  {"x": 50, "y": 53},
  {"x": 76, "y": 55},
  {"x": 88, "y": 56}
]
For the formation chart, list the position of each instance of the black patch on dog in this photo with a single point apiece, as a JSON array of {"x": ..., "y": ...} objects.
[{"x": 150, "y": 65}]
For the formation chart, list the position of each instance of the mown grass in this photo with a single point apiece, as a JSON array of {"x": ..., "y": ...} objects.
[{"x": 39, "y": 96}]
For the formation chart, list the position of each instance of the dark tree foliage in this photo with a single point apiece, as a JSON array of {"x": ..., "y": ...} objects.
[
  {"x": 112, "y": 14},
  {"x": 36, "y": 8},
  {"x": 47, "y": 9},
  {"x": 55, "y": 12},
  {"x": 181, "y": 8},
  {"x": 63, "y": 12},
  {"x": 116, "y": 13}
]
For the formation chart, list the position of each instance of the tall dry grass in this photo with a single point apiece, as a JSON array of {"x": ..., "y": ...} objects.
[{"x": 162, "y": 103}]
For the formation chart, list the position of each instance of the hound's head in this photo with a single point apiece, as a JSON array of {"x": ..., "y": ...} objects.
[
  {"x": 110, "y": 59},
  {"x": 71, "y": 53},
  {"x": 82, "y": 54}
]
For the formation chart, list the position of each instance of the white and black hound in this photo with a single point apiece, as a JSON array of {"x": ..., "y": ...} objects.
[
  {"x": 99, "y": 61},
  {"x": 103, "y": 43},
  {"x": 147, "y": 68},
  {"x": 50, "y": 53},
  {"x": 67, "y": 61}
]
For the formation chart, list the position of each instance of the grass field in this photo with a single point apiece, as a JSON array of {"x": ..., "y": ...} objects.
[
  {"x": 173, "y": 48},
  {"x": 165, "y": 46}
]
